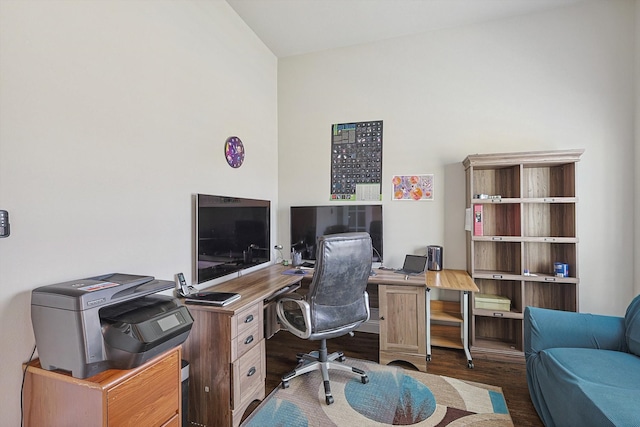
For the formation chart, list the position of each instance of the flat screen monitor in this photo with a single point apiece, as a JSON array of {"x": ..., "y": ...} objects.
[
  {"x": 308, "y": 223},
  {"x": 232, "y": 234}
]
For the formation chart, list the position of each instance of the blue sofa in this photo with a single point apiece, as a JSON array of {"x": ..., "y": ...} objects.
[{"x": 584, "y": 369}]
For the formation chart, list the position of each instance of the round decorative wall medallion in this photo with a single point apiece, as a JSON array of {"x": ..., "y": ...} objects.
[{"x": 234, "y": 151}]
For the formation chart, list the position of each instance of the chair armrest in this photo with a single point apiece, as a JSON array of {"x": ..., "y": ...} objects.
[
  {"x": 305, "y": 311},
  {"x": 545, "y": 328}
]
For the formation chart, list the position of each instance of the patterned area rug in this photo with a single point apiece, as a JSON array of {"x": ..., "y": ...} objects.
[{"x": 393, "y": 396}]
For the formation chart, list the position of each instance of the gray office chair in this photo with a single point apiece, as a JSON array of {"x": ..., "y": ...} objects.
[{"x": 336, "y": 304}]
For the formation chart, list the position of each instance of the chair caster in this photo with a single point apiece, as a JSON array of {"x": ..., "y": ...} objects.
[
  {"x": 341, "y": 357},
  {"x": 428, "y": 358},
  {"x": 364, "y": 380},
  {"x": 470, "y": 364},
  {"x": 285, "y": 384},
  {"x": 329, "y": 400}
]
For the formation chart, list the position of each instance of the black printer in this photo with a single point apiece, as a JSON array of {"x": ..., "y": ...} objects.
[{"x": 86, "y": 326}]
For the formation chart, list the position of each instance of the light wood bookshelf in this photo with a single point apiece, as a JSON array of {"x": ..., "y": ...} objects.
[{"x": 529, "y": 218}]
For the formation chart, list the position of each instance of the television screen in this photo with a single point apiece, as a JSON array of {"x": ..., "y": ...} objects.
[
  {"x": 232, "y": 234},
  {"x": 308, "y": 223}
]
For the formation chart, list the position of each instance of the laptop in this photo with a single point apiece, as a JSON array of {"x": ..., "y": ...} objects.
[
  {"x": 212, "y": 298},
  {"x": 413, "y": 264}
]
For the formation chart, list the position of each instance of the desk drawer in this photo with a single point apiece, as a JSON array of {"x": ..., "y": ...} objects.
[
  {"x": 249, "y": 376},
  {"x": 150, "y": 398},
  {"x": 246, "y": 340},
  {"x": 246, "y": 319}
]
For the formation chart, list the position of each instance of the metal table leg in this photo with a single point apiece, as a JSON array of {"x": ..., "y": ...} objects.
[
  {"x": 465, "y": 327},
  {"x": 428, "y": 305}
]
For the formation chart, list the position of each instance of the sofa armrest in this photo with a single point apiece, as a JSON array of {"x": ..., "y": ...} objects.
[{"x": 545, "y": 328}]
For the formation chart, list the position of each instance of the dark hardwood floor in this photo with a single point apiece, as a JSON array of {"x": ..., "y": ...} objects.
[{"x": 283, "y": 346}]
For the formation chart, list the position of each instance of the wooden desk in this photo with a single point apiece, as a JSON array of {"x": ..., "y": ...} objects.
[
  {"x": 454, "y": 280},
  {"x": 405, "y": 314},
  {"x": 402, "y": 317},
  {"x": 226, "y": 352}
]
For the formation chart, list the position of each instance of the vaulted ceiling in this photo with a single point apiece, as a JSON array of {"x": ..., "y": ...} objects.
[{"x": 293, "y": 27}]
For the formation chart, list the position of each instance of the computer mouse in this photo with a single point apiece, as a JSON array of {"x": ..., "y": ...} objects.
[{"x": 299, "y": 272}]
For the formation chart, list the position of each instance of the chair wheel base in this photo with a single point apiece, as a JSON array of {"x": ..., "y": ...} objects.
[
  {"x": 285, "y": 378},
  {"x": 322, "y": 361}
]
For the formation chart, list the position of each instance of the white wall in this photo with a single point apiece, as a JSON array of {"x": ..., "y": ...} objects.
[
  {"x": 555, "y": 80},
  {"x": 112, "y": 114},
  {"x": 636, "y": 256}
]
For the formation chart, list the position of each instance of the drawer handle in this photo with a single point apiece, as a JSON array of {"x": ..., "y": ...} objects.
[
  {"x": 249, "y": 319},
  {"x": 550, "y": 279},
  {"x": 496, "y": 238},
  {"x": 497, "y": 276},
  {"x": 498, "y": 314},
  {"x": 251, "y": 371},
  {"x": 550, "y": 239},
  {"x": 249, "y": 339}
]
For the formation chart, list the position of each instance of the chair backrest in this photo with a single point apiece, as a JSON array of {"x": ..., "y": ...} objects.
[{"x": 337, "y": 292}]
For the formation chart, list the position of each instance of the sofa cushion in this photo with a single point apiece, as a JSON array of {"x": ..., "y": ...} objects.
[
  {"x": 600, "y": 385},
  {"x": 632, "y": 326}
]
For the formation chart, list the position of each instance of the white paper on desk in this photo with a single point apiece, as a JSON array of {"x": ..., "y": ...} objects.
[{"x": 467, "y": 219}]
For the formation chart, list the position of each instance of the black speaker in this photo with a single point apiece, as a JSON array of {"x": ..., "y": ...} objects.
[{"x": 434, "y": 257}]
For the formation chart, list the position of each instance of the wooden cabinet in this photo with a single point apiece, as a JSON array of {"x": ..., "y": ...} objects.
[
  {"x": 402, "y": 324},
  {"x": 147, "y": 396},
  {"x": 226, "y": 350},
  {"x": 226, "y": 355},
  {"x": 523, "y": 208}
]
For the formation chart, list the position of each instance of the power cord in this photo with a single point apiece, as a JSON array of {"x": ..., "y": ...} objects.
[
  {"x": 380, "y": 258},
  {"x": 190, "y": 289},
  {"x": 279, "y": 249},
  {"x": 24, "y": 376}
]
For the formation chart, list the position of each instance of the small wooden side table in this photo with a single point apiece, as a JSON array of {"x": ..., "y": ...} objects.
[{"x": 454, "y": 280}]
